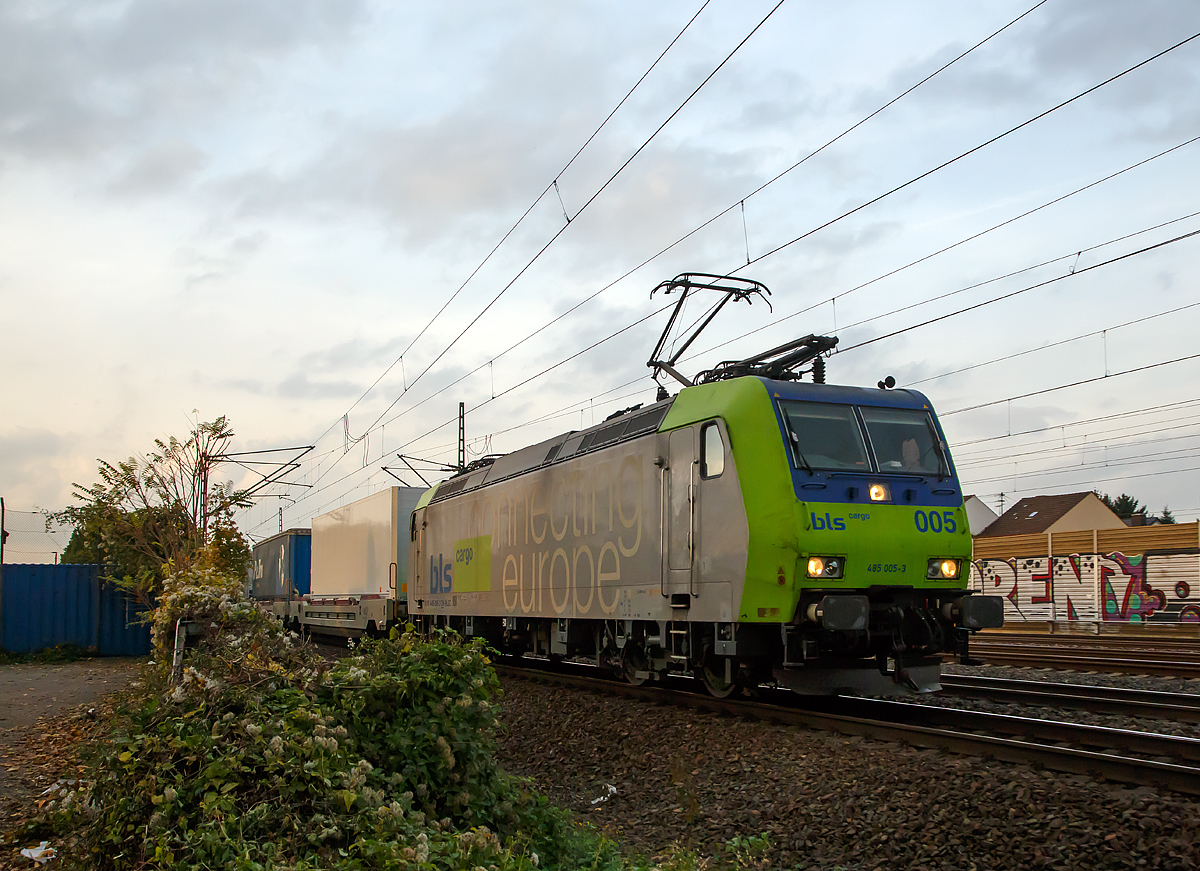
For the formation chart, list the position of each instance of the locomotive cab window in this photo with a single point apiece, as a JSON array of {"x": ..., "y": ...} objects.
[
  {"x": 904, "y": 440},
  {"x": 712, "y": 457},
  {"x": 824, "y": 436}
]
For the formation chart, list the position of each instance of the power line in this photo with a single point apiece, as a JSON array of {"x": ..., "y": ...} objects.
[
  {"x": 593, "y": 197},
  {"x": 967, "y": 153},
  {"x": 583, "y": 208},
  {"x": 1057, "y": 344},
  {"x": 1015, "y": 476},
  {"x": 1145, "y": 368},
  {"x": 1116, "y": 438},
  {"x": 741, "y": 201},
  {"x": 1022, "y": 290},
  {"x": 552, "y": 185},
  {"x": 1081, "y": 448},
  {"x": 1113, "y": 78},
  {"x": 861, "y": 344},
  {"x": 977, "y": 285},
  {"x": 1144, "y": 410}
]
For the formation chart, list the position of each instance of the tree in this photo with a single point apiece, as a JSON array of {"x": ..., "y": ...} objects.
[
  {"x": 1124, "y": 506},
  {"x": 158, "y": 513}
]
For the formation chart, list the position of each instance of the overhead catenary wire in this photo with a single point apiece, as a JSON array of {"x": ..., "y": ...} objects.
[
  {"x": 772, "y": 252},
  {"x": 537, "y": 255},
  {"x": 1118, "y": 438},
  {"x": 605, "y": 339},
  {"x": 1018, "y": 292},
  {"x": 1057, "y": 344},
  {"x": 553, "y": 185},
  {"x": 664, "y": 308},
  {"x": 1080, "y": 382},
  {"x": 1041, "y": 473},
  {"x": 595, "y": 195},
  {"x": 1008, "y": 221},
  {"x": 741, "y": 201},
  {"x": 1013, "y": 129},
  {"x": 1077, "y": 273},
  {"x": 1149, "y": 409}
]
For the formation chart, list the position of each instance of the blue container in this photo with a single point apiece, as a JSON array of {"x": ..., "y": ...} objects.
[
  {"x": 43, "y": 606},
  {"x": 281, "y": 566}
]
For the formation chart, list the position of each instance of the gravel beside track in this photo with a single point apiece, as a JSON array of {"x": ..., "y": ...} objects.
[{"x": 697, "y": 779}]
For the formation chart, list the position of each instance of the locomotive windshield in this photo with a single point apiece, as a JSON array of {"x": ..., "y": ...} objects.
[
  {"x": 824, "y": 436},
  {"x": 904, "y": 440},
  {"x": 829, "y": 437}
]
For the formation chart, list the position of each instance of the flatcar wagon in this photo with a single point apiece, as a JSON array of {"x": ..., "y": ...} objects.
[{"x": 747, "y": 530}]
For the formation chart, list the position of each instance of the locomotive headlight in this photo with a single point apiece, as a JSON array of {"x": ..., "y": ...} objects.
[
  {"x": 880, "y": 493},
  {"x": 942, "y": 569},
  {"x": 824, "y": 567}
]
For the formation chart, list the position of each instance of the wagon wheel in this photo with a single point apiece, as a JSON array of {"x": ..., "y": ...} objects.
[{"x": 711, "y": 672}]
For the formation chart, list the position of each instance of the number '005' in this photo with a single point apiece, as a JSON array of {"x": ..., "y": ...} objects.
[{"x": 935, "y": 521}]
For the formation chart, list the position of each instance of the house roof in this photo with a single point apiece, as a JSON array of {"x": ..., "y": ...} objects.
[{"x": 1033, "y": 514}]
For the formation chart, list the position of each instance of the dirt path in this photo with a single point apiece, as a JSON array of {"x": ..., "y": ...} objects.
[{"x": 31, "y": 692}]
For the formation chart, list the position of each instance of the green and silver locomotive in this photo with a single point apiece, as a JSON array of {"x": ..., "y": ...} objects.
[{"x": 748, "y": 529}]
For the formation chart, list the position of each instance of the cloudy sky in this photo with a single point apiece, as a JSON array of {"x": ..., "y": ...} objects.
[{"x": 257, "y": 208}]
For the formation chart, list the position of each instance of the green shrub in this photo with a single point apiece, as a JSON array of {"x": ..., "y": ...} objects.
[{"x": 262, "y": 755}]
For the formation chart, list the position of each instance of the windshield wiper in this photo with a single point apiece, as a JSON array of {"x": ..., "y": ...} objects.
[
  {"x": 943, "y": 460},
  {"x": 795, "y": 439}
]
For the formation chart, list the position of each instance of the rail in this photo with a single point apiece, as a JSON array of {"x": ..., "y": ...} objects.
[{"x": 1009, "y": 739}]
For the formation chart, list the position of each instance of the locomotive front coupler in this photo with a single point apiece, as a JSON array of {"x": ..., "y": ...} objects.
[{"x": 899, "y": 674}]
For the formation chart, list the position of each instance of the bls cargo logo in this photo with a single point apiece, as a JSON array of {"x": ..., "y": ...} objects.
[
  {"x": 469, "y": 571},
  {"x": 440, "y": 578},
  {"x": 827, "y": 522}
]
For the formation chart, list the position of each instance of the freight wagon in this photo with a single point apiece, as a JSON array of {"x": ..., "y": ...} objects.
[{"x": 359, "y": 567}]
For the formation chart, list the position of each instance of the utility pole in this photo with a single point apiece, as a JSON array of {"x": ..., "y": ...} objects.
[{"x": 462, "y": 436}]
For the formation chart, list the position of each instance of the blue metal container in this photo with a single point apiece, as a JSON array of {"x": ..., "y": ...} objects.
[
  {"x": 44, "y": 606},
  {"x": 281, "y": 566}
]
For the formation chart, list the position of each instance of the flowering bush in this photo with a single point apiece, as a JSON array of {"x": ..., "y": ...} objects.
[{"x": 263, "y": 755}]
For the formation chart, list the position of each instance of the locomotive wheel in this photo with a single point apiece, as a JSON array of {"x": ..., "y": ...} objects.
[
  {"x": 711, "y": 672},
  {"x": 633, "y": 661}
]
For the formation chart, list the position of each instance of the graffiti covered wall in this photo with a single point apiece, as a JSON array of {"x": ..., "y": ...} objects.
[{"x": 1115, "y": 587}]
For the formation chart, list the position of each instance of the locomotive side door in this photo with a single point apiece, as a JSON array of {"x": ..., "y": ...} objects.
[{"x": 679, "y": 513}]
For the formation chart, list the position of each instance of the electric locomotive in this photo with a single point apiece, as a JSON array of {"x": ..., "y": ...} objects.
[{"x": 752, "y": 528}]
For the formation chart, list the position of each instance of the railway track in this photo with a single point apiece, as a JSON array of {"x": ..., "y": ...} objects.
[
  {"x": 1180, "y": 707},
  {"x": 1124, "y": 756},
  {"x": 1169, "y": 656}
]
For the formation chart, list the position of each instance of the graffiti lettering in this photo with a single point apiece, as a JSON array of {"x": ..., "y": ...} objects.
[{"x": 1112, "y": 587}]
